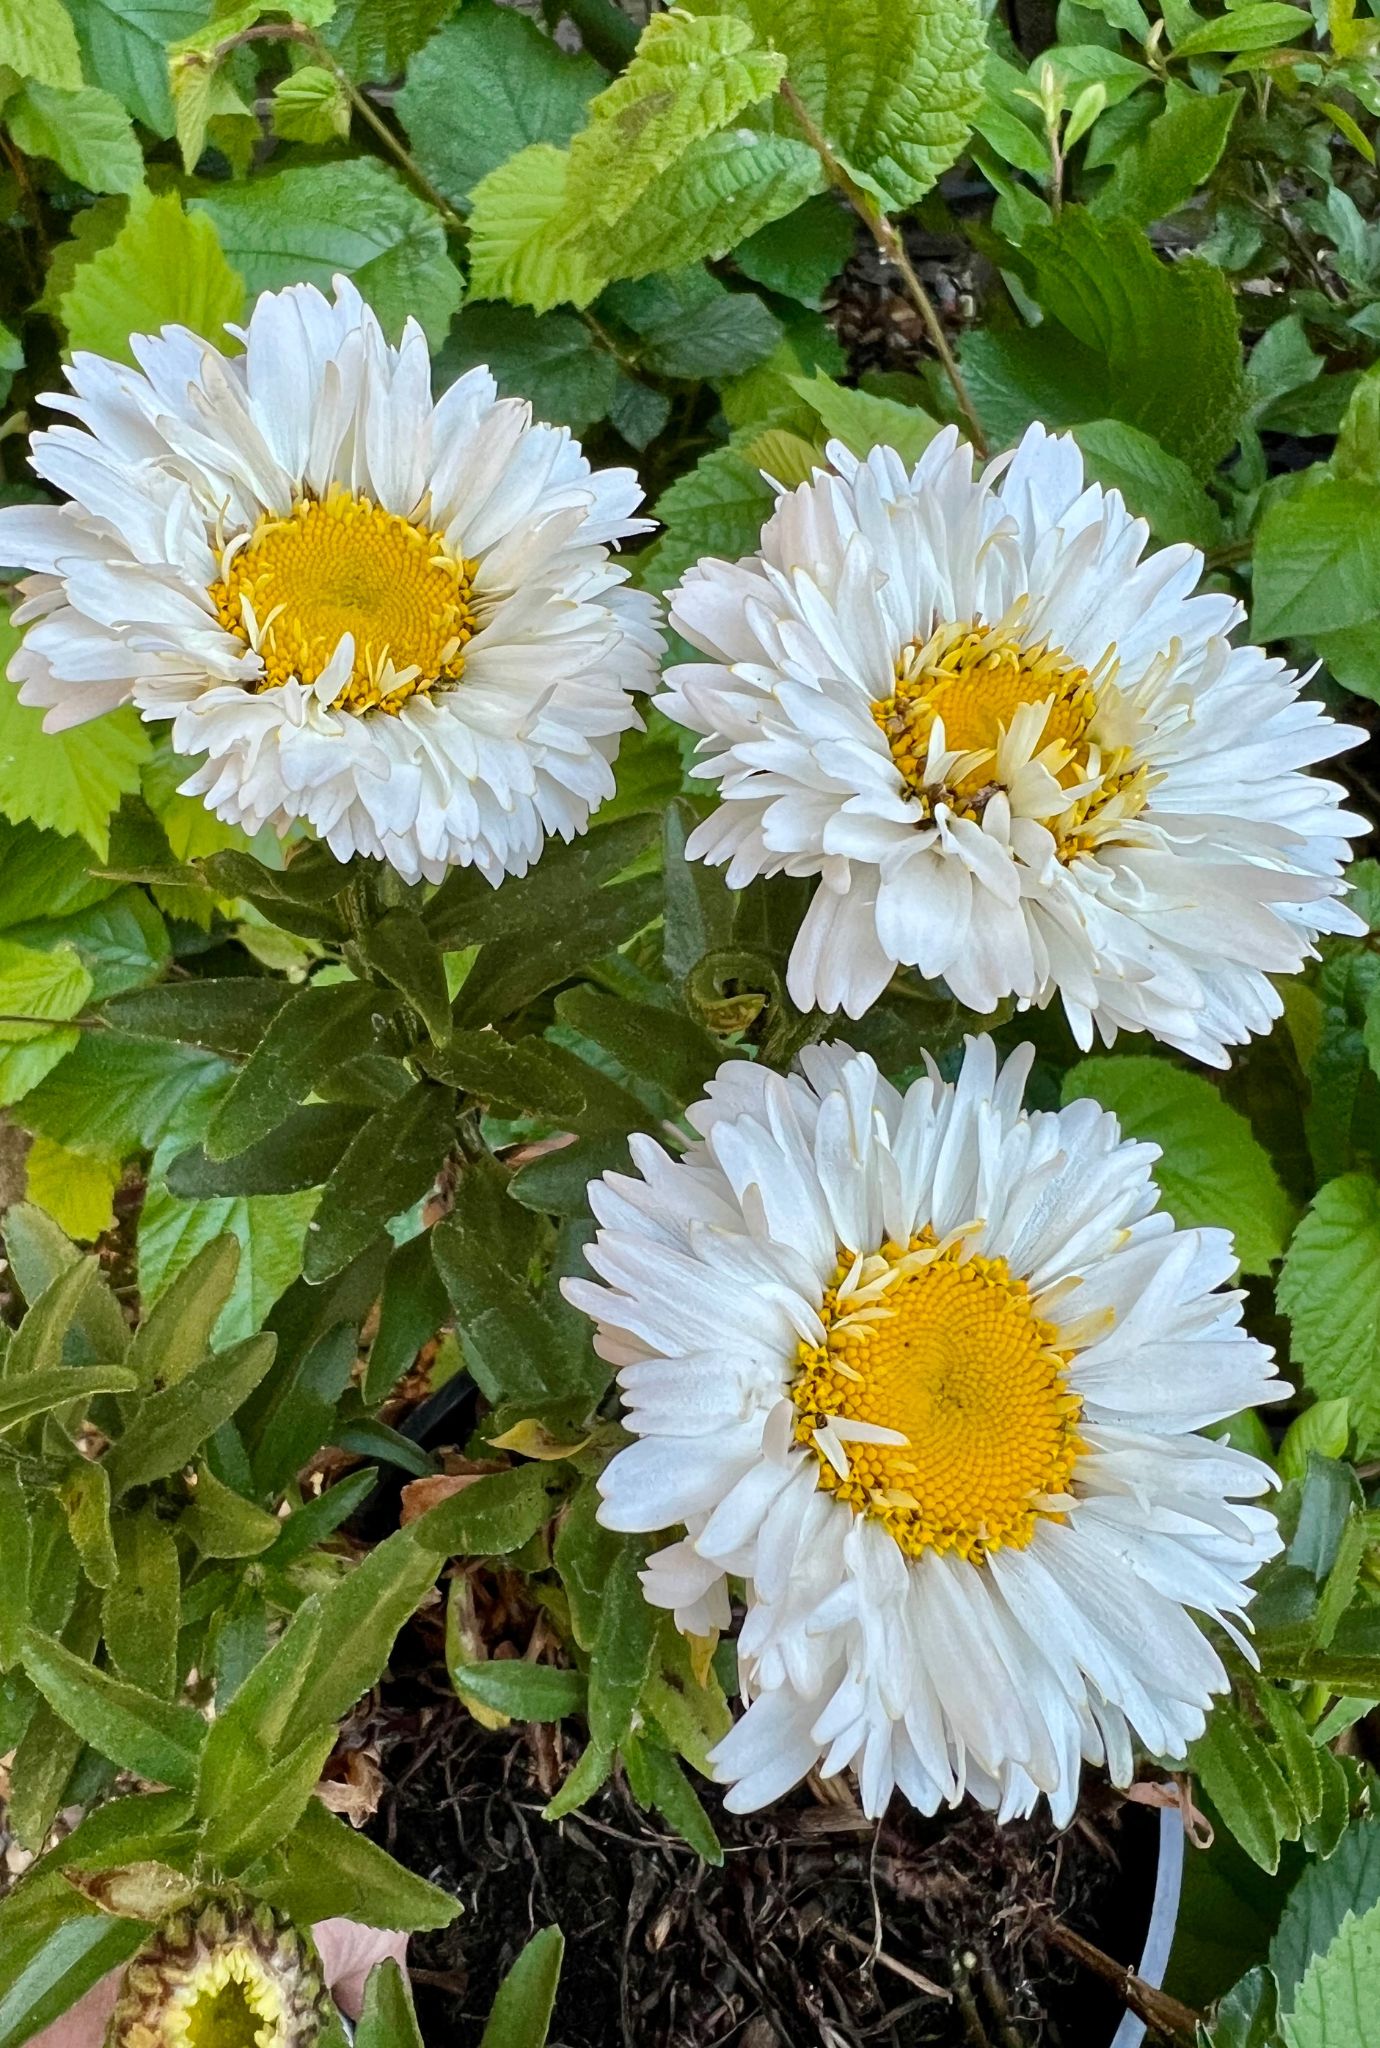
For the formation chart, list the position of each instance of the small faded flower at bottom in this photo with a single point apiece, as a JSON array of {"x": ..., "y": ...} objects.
[
  {"x": 222, "y": 1974},
  {"x": 927, "y": 1373}
]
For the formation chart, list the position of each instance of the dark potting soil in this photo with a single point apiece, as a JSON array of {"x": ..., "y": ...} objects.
[{"x": 820, "y": 1928}]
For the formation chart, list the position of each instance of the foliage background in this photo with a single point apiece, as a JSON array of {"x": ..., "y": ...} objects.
[{"x": 702, "y": 250}]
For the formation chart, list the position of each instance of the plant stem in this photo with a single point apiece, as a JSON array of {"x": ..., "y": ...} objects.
[
  {"x": 888, "y": 238},
  {"x": 296, "y": 32}
]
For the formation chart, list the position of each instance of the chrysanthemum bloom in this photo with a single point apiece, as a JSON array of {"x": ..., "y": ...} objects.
[
  {"x": 926, "y": 1373},
  {"x": 1018, "y": 756},
  {"x": 394, "y": 619},
  {"x": 224, "y": 1974}
]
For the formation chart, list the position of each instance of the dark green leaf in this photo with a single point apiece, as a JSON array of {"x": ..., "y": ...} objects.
[
  {"x": 412, "y": 1310},
  {"x": 390, "y": 1164},
  {"x": 168, "y": 1428},
  {"x": 37, "y": 1393},
  {"x": 400, "y": 949},
  {"x": 314, "y": 1031},
  {"x": 140, "y": 1615},
  {"x": 301, "y": 1153},
  {"x": 125, "y": 1723},
  {"x": 229, "y": 1016}
]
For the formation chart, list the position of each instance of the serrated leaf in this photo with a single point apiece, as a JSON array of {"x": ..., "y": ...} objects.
[
  {"x": 37, "y": 41},
  {"x": 311, "y": 105},
  {"x": 1157, "y": 486},
  {"x": 124, "y": 45},
  {"x": 516, "y": 86},
  {"x": 373, "y": 39},
  {"x": 114, "y": 1095},
  {"x": 800, "y": 255},
  {"x": 519, "y": 226},
  {"x": 716, "y": 509},
  {"x": 70, "y": 781},
  {"x": 271, "y": 1230},
  {"x": 1348, "y": 1882},
  {"x": 1245, "y": 1784},
  {"x": 165, "y": 266},
  {"x": 1335, "y": 2005},
  {"x": 304, "y": 224},
  {"x": 86, "y": 133},
  {"x": 1330, "y": 1291},
  {"x": 893, "y": 89},
  {"x": 521, "y": 2015},
  {"x": 688, "y": 324},
  {"x": 38, "y": 993},
  {"x": 551, "y": 358},
  {"x": 1213, "y": 1170},
  {"x": 863, "y": 421}
]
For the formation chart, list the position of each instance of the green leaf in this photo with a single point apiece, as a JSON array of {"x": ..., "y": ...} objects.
[
  {"x": 124, "y": 45},
  {"x": 327, "y": 1870},
  {"x": 390, "y": 1164},
  {"x": 1126, "y": 336},
  {"x": 580, "y": 1785},
  {"x": 1335, "y": 2005},
  {"x": 1323, "y": 1429},
  {"x": 271, "y": 1231},
  {"x": 1330, "y": 1291},
  {"x": 519, "y": 235},
  {"x": 401, "y": 951},
  {"x": 551, "y": 358},
  {"x": 1165, "y": 166},
  {"x": 39, "y": 1393},
  {"x": 1245, "y": 1783},
  {"x": 515, "y": 85},
  {"x": 1156, "y": 485},
  {"x": 40, "y": 990},
  {"x": 86, "y": 133},
  {"x": 893, "y": 90},
  {"x": 166, "y": 1429},
  {"x": 1248, "y": 2017},
  {"x": 373, "y": 39},
  {"x": 221, "y": 1523},
  {"x": 140, "y": 1616},
  {"x": 271, "y": 1804},
  {"x": 165, "y": 266},
  {"x": 302, "y": 1152},
  {"x": 658, "y": 1780},
  {"x": 1257, "y": 26},
  {"x": 622, "y": 1655},
  {"x": 689, "y": 325},
  {"x": 175, "y": 1334},
  {"x": 112, "y": 1095},
  {"x": 304, "y": 224},
  {"x": 1317, "y": 560},
  {"x": 73, "y": 1305},
  {"x": 70, "y": 781},
  {"x": 492, "y": 1517},
  {"x": 522, "y": 1692},
  {"x": 716, "y": 509},
  {"x": 16, "y": 1539},
  {"x": 689, "y": 1709},
  {"x": 312, "y": 1033},
  {"x": 311, "y": 105},
  {"x": 122, "y": 940},
  {"x": 126, "y": 1724},
  {"x": 862, "y": 421},
  {"x": 37, "y": 41},
  {"x": 1348, "y": 1882},
  {"x": 388, "y": 2020},
  {"x": 84, "y": 1492},
  {"x": 229, "y": 1016},
  {"x": 1212, "y": 1171},
  {"x": 802, "y": 254},
  {"x": 521, "y": 2015}
]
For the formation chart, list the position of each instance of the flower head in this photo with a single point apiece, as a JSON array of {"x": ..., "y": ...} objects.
[
  {"x": 223, "y": 1974},
  {"x": 927, "y": 1372},
  {"x": 395, "y": 619},
  {"x": 1019, "y": 756}
]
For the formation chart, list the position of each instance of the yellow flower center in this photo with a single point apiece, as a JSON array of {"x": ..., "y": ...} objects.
[
  {"x": 976, "y": 679},
  {"x": 230, "y": 2002},
  {"x": 938, "y": 1402},
  {"x": 338, "y": 565}
]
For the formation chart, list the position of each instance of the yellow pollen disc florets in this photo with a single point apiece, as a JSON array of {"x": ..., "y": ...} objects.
[
  {"x": 938, "y": 1403},
  {"x": 342, "y": 564},
  {"x": 977, "y": 678},
  {"x": 233, "y": 2003}
]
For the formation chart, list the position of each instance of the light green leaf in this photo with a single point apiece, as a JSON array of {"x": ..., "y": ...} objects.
[
  {"x": 168, "y": 1427},
  {"x": 37, "y": 986},
  {"x": 165, "y": 266},
  {"x": 327, "y": 1869},
  {"x": 1244, "y": 1781},
  {"x": 271, "y": 1230},
  {"x": 307, "y": 223},
  {"x": 1324, "y": 1429},
  {"x": 86, "y": 133},
  {"x": 515, "y": 85},
  {"x": 1213, "y": 1169},
  {"x": 893, "y": 89},
  {"x": 1330, "y": 1291},
  {"x": 38, "y": 1393},
  {"x": 141, "y": 1613},
  {"x": 863, "y": 421},
  {"x": 521, "y": 2015},
  {"x": 311, "y": 105},
  {"x": 37, "y": 40},
  {"x": 115, "y": 1095},
  {"x": 520, "y": 235},
  {"x": 1335, "y": 2005}
]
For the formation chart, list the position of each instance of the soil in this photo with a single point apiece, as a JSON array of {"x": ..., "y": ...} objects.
[{"x": 820, "y": 1928}]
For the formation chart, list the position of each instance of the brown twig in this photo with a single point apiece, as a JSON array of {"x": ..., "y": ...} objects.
[
  {"x": 879, "y": 1955},
  {"x": 1161, "y": 2013},
  {"x": 892, "y": 247}
]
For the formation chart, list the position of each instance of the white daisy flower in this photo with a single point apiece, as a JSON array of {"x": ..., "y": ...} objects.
[
  {"x": 926, "y": 1373},
  {"x": 1018, "y": 756},
  {"x": 393, "y": 618}
]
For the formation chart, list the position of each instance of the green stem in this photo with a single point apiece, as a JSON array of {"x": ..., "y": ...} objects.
[{"x": 888, "y": 238}]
